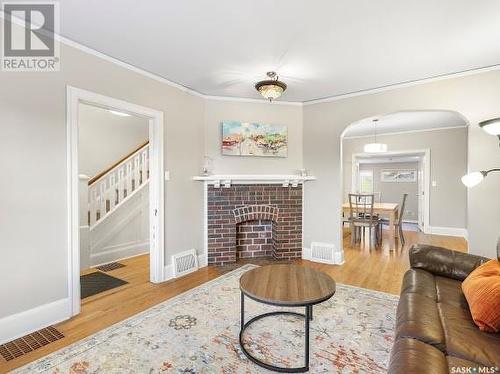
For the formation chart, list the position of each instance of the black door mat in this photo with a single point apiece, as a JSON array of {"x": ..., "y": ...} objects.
[
  {"x": 94, "y": 283},
  {"x": 28, "y": 343},
  {"x": 110, "y": 266}
]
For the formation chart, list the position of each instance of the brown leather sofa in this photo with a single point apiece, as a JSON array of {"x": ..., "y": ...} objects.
[{"x": 434, "y": 328}]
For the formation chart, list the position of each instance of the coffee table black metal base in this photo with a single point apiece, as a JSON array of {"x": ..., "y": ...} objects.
[{"x": 307, "y": 318}]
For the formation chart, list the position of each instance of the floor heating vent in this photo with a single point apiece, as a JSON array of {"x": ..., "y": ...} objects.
[
  {"x": 185, "y": 263},
  {"x": 110, "y": 266},
  {"x": 29, "y": 343},
  {"x": 325, "y": 253}
]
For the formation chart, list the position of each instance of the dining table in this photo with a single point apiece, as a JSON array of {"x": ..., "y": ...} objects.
[{"x": 390, "y": 210}]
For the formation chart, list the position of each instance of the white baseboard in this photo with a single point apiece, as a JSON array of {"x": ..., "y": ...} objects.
[
  {"x": 119, "y": 252},
  {"x": 20, "y": 324},
  {"x": 449, "y": 231},
  {"x": 169, "y": 269}
]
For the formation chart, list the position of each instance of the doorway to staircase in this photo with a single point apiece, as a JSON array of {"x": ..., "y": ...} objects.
[{"x": 116, "y": 192}]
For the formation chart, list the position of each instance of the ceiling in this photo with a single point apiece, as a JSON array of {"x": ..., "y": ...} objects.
[
  {"x": 320, "y": 49},
  {"x": 406, "y": 121}
]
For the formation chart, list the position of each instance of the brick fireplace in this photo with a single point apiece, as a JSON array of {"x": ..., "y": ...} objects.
[{"x": 253, "y": 220}]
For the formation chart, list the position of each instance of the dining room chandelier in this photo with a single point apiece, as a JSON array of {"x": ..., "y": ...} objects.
[
  {"x": 271, "y": 88},
  {"x": 375, "y": 147}
]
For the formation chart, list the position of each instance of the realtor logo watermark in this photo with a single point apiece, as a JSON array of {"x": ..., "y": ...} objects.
[{"x": 28, "y": 36}]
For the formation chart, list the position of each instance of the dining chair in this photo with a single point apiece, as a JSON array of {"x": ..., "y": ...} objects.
[
  {"x": 361, "y": 217},
  {"x": 399, "y": 224}
]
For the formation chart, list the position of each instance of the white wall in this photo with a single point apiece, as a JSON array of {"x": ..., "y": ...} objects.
[
  {"x": 217, "y": 111},
  {"x": 476, "y": 97},
  {"x": 448, "y": 160},
  {"x": 104, "y": 138}
]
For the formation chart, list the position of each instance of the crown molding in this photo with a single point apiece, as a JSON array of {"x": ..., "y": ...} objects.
[
  {"x": 396, "y": 86},
  {"x": 405, "y": 132},
  {"x": 193, "y": 92}
]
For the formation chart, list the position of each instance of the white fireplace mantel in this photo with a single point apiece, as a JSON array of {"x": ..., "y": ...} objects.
[{"x": 226, "y": 180}]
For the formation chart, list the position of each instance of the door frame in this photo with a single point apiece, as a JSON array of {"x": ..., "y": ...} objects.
[
  {"x": 426, "y": 154},
  {"x": 74, "y": 97}
]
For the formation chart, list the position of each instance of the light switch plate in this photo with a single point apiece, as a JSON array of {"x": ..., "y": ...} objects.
[
  {"x": 434, "y": 184},
  {"x": 167, "y": 175}
]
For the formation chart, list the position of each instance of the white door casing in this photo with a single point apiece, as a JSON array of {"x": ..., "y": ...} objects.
[{"x": 75, "y": 96}]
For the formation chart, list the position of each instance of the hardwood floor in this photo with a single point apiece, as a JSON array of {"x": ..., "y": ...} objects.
[{"x": 378, "y": 268}]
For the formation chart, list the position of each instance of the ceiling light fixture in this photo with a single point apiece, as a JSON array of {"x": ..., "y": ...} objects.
[
  {"x": 476, "y": 177},
  {"x": 117, "y": 113},
  {"x": 271, "y": 88},
  {"x": 375, "y": 147}
]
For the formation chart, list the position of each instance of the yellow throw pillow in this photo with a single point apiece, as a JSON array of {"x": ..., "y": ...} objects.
[{"x": 482, "y": 291}]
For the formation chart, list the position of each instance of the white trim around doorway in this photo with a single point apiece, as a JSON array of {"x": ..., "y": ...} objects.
[
  {"x": 426, "y": 153},
  {"x": 75, "y": 96}
]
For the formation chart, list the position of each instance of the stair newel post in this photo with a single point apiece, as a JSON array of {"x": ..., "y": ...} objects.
[
  {"x": 108, "y": 196},
  {"x": 137, "y": 183},
  {"x": 112, "y": 191},
  {"x": 93, "y": 204},
  {"x": 129, "y": 177},
  {"x": 121, "y": 184},
  {"x": 102, "y": 199},
  {"x": 146, "y": 162},
  {"x": 143, "y": 166}
]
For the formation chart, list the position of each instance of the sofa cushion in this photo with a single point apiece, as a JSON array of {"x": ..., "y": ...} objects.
[
  {"x": 449, "y": 291},
  {"x": 418, "y": 318},
  {"x": 419, "y": 281},
  {"x": 465, "y": 340},
  {"x": 482, "y": 290},
  {"x": 444, "y": 262},
  {"x": 412, "y": 356}
]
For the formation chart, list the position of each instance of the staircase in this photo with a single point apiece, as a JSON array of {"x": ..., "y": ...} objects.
[{"x": 111, "y": 188}]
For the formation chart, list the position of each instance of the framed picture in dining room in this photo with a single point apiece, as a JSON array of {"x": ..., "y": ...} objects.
[{"x": 398, "y": 175}]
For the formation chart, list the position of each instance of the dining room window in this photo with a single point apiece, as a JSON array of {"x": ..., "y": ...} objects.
[{"x": 366, "y": 181}]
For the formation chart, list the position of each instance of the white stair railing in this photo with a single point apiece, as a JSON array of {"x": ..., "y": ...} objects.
[{"x": 109, "y": 190}]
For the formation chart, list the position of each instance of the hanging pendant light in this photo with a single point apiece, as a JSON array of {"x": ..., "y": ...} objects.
[
  {"x": 271, "y": 88},
  {"x": 375, "y": 147}
]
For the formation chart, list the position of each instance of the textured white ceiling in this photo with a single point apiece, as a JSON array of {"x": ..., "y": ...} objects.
[
  {"x": 321, "y": 48},
  {"x": 406, "y": 121}
]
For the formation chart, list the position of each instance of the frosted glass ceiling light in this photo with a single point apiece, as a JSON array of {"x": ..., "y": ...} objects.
[
  {"x": 271, "y": 88},
  {"x": 375, "y": 147}
]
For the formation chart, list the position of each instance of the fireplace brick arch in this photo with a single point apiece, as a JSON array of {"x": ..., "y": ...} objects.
[{"x": 256, "y": 212}]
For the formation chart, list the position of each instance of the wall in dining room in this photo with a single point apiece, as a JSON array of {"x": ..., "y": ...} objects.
[
  {"x": 391, "y": 192},
  {"x": 448, "y": 152},
  {"x": 277, "y": 113}
]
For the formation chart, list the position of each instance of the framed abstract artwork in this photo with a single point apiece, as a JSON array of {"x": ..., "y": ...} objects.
[
  {"x": 254, "y": 139},
  {"x": 398, "y": 175}
]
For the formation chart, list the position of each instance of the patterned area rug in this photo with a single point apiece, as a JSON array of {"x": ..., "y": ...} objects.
[{"x": 197, "y": 332}]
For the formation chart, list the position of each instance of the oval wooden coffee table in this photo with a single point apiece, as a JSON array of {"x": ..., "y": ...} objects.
[{"x": 284, "y": 285}]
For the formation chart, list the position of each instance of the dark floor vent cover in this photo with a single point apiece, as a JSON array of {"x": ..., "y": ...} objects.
[
  {"x": 110, "y": 266},
  {"x": 29, "y": 343}
]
